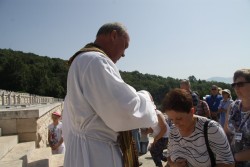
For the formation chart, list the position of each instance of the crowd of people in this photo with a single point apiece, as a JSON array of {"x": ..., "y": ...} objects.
[{"x": 106, "y": 122}]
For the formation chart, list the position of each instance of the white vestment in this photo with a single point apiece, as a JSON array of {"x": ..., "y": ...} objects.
[{"x": 97, "y": 106}]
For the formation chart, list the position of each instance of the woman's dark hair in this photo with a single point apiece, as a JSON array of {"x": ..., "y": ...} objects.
[{"x": 178, "y": 100}]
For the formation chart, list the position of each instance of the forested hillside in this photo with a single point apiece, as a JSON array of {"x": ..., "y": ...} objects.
[
  {"x": 27, "y": 72},
  {"x": 41, "y": 75}
]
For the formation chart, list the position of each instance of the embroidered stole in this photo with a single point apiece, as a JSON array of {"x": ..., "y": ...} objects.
[
  {"x": 127, "y": 145},
  {"x": 87, "y": 48}
]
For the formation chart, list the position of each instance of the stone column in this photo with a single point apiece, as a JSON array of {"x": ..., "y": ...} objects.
[
  {"x": 30, "y": 99},
  {"x": 19, "y": 99},
  {"x": 3, "y": 98},
  {"x": 9, "y": 99},
  {"x": 14, "y": 97}
]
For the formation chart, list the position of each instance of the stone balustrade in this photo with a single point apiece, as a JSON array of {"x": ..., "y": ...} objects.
[
  {"x": 27, "y": 115},
  {"x": 30, "y": 123},
  {"x": 9, "y": 98}
]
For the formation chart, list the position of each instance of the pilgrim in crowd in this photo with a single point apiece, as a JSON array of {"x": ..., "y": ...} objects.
[
  {"x": 237, "y": 124},
  {"x": 187, "y": 140}
]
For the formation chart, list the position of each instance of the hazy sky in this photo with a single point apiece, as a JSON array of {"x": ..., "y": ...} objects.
[{"x": 176, "y": 38}]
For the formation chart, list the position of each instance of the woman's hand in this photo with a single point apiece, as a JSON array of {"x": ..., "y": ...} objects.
[
  {"x": 180, "y": 163},
  {"x": 54, "y": 147}
]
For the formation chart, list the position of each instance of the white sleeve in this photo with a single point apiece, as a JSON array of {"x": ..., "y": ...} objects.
[{"x": 117, "y": 103}]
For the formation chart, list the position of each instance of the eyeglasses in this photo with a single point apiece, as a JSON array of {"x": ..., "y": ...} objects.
[
  {"x": 239, "y": 84},
  {"x": 213, "y": 89}
]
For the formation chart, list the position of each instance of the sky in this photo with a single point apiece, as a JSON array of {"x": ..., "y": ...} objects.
[{"x": 169, "y": 38}]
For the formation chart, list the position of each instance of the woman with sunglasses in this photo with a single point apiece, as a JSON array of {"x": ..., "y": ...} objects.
[{"x": 239, "y": 118}]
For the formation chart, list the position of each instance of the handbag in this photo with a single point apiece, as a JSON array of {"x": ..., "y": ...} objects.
[{"x": 211, "y": 154}]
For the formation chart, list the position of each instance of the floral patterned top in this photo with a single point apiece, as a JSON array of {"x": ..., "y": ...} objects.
[
  {"x": 56, "y": 133},
  {"x": 202, "y": 109},
  {"x": 239, "y": 126}
]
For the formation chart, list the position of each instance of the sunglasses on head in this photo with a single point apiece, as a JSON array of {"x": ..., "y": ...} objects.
[{"x": 239, "y": 84}]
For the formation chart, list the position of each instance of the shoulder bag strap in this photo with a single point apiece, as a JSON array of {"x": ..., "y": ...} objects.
[{"x": 211, "y": 155}]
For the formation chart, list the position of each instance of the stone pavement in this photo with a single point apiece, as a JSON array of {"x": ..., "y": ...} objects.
[{"x": 147, "y": 160}]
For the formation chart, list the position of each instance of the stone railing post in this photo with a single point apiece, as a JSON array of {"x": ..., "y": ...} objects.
[
  {"x": 22, "y": 99},
  {"x": 25, "y": 99},
  {"x": 9, "y": 99},
  {"x": 19, "y": 99},
  {"x": 30, "y": 99},
  {"x": 14, "y": 99},
  {"x": 3, "y": 100}
]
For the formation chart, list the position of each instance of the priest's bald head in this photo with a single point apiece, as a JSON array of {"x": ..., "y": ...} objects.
[{"x": 113, "y": 39}]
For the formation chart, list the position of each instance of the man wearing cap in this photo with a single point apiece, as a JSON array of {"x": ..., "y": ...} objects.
[
  {"x": 213, "y": 102},
  {"x": 224, "y": 104},
  {"x": 99, "y": 104}
]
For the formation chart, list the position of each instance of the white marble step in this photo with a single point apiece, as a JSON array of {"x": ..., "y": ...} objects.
[
  {"x": 20, "y": 152},
  {"x": 39, "y": 157},
  {"x": 56, "y": 160},
  {"x": 6, "y": 144},
  {"x": 16, "y": 163}
]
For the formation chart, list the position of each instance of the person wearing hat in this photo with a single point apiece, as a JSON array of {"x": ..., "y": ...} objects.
[
  {"x": 224, "y": 104},
  {"x": 55, "y": 137},
  {"x": 220, "y": 90}
]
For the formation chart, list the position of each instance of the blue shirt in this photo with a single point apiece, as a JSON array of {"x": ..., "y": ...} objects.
[
  {"x": 213, "y": 102},
  {"x": 195, "y": 98}
]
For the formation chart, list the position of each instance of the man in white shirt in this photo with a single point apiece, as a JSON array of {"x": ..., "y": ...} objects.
[{"x": 99, "y": 104}]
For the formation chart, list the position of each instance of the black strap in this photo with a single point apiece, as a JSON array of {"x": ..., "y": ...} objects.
[{"x": 211, "y": 155}]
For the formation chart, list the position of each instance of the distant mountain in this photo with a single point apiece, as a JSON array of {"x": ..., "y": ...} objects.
[{"x": 221, "y": 79}]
